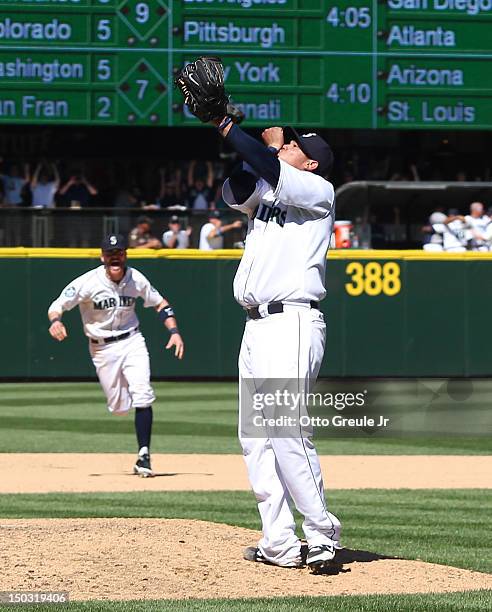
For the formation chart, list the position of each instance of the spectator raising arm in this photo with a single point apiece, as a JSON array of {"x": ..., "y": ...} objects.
[
  {"x": 210, "y": 175},
  {"x": 56, "y": 175},
  {"x": 35, "y": 176}
]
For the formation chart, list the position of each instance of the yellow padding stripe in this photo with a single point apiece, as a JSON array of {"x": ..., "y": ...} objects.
[{"x": 345, "y": 254}]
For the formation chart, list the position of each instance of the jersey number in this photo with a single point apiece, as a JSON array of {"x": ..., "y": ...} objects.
[{"x": 373, "y": 278}]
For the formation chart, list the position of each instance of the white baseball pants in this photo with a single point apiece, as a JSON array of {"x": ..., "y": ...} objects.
[
  {"x": 287, "y": 345},
  {"x": 123, "y": 369}
]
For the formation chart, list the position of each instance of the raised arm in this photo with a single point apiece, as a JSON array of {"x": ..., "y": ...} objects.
[
  {"x": 261, "y": 157},
  {"x": 90, "y": 188},
  {"x": 191, "y": 172},
  {"x": 210, "y": 175},
  {"x": 56, "y": 174},
  {"x": 64, "y": 188},
  {"x": 35, "y": 176}
]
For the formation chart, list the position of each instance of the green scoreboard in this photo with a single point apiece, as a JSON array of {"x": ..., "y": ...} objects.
[{"x": 319, "y": 63}]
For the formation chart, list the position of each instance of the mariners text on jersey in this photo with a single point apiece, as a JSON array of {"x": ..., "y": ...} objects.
[
  {"x": 106, "y": 307},
  {"x": 289, "y": 232}
]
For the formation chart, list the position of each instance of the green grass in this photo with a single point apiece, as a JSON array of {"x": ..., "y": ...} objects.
[
  {"x": 188, "y": 418},
  {"x": 451, "y": 527},
  {"x": 468, "y": 601}
]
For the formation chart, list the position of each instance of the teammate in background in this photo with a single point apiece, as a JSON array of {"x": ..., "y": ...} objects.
[
  {"x": 212, "y": 233},
  {"x": 106, "y": 297},
  {"x": 477, "y": 221},
  {"x": 141, "y": 236},
  {"x": 433, "y": 240},
  {"x": 42, "y": 188},
  {"x": 455, "y": 234},
  {"x": 175, "y": 237},
  {"x": 488, "y": 230},
  {"x": 279, "y": 282}
]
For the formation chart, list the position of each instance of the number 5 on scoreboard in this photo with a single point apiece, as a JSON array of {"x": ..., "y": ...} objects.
[
  {"x": 104, "y": 68},
  {"x": 373, "y": 278},
  {"x": 104, "y": 27}
]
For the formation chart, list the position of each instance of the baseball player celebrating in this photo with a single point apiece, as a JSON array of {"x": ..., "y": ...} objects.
[
  {"x": 279, "y": 282},
  {"x": 106, "y": 297}
]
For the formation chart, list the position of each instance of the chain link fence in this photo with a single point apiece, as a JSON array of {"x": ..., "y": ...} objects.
[{"x": 66, "y": 227}]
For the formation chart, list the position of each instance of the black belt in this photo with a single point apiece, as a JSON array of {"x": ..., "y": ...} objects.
[
  {"x": 113, "y": 338},
  {"x": 274, "y": 308}
]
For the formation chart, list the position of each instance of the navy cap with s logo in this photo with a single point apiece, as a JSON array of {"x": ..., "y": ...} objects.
[
  {"x": 114, "y": 242},
  {"x": 315, "y": 147}
]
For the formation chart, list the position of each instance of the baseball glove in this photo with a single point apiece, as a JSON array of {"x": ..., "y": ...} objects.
[{"x": 202, "y": 86}]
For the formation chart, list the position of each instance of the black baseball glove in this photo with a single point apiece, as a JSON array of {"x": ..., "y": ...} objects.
[{"x": 202, "y": 86}]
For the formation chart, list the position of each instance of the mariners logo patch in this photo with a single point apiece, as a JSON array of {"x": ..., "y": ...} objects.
[{"x": 70, "y": 292}]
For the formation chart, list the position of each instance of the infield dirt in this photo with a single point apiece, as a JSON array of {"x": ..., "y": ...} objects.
[
  {"x": 112, "y": 472},
  {"x": 167, "y": 559}
]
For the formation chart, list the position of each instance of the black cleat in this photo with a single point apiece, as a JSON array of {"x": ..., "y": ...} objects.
[
  {"x": 142, "y": 466},
  {"x": 252, "y": 553},
  {"x": 320, "y": 557}
]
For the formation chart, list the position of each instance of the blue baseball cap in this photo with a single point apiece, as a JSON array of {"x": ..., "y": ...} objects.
[
  {"x": 315, "y": 147},
  {"x": 114, "y": 242}
]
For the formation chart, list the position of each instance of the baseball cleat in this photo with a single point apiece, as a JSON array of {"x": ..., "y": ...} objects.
[
  {"x": 320, "y": 557},
  {"x": 142, "y": 466},
  {"x": 253, "y": 553}
]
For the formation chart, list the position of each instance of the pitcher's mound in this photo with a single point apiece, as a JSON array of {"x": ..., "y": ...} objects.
[{"x": 166, "y": 559}]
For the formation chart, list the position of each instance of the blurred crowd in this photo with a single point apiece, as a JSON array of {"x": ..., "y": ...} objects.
[
  {"x": 177, "y": 187},
  {"x": 192, "y": 185},
  {"x": 450, "y": 231},
  {"x": 182, "y": 188},
  {"x": 407, "y": 163}
]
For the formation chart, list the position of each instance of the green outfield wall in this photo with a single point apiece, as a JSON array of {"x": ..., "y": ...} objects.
[{"x": 388, "y": 313}]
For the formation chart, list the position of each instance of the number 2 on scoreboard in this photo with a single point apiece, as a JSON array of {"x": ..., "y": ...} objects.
[
  {"x": 103, "y": 107},
  {"x": 373, "y": 278}
]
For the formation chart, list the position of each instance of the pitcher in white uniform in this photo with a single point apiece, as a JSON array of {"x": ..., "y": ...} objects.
[
  {"x": 106, "y": 297},
  {"x": 279, "y": 282}
]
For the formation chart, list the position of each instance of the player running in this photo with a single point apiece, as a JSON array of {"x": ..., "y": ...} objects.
[{"x": 106, "y": 297}]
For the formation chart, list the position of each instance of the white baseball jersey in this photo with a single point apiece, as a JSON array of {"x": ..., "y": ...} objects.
[
  {"x": 488, "y": 235},
  {"x": 455, "y": 235},
  {"x": 288, "y": 236},
  {"x": 209, "y": 244},
  {"x": 479, "y": 231},
  {"x": 182, "y": 239},
  {"x": 478, "y": 223},
  {"x": 107, "y": 308}
]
